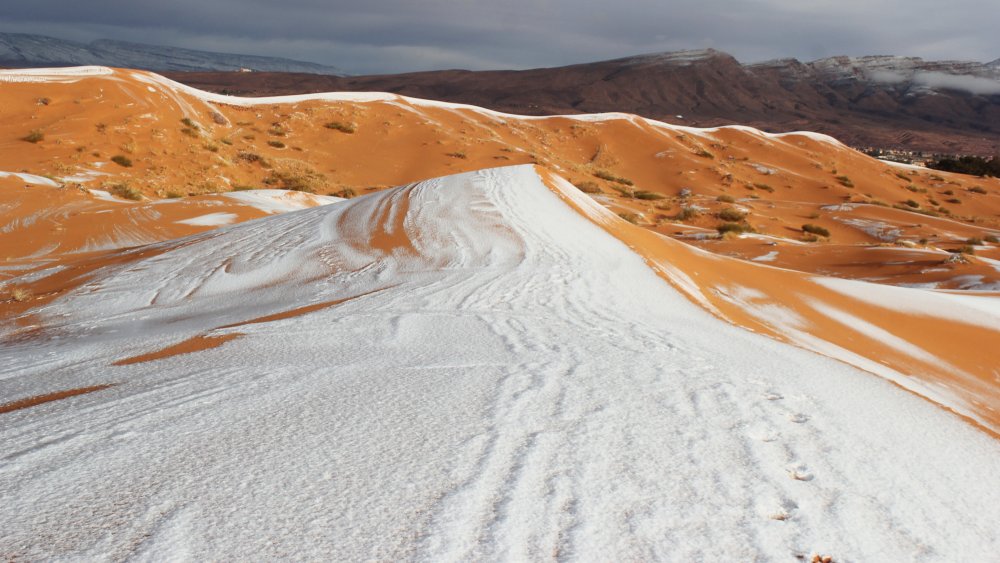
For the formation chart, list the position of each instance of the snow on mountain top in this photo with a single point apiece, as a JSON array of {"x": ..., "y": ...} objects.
[
  {"x": 681, "y": 58},
  {"x": 464, "y": 368}
]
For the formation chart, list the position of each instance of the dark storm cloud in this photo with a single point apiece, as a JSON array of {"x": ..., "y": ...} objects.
[{"x": 401, "y": 35}]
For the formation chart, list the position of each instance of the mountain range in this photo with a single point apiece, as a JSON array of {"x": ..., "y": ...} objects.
[
  {"x": 881, "y": 101},
  {"x": 22, "y": 50}
]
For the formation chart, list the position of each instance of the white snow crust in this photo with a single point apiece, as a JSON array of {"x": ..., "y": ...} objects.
[{"x": 512, "y": 383}]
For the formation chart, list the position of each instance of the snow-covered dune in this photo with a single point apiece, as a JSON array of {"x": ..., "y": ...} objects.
[{"x": 464, "y": 368}]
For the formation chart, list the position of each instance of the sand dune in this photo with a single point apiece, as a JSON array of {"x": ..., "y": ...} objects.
[
  {"x": 518, "y": 338},
  {"x": 180, "y": 141}
]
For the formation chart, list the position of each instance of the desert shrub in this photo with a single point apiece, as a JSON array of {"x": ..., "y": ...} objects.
[
  {"x": 726, "y": 199},
  {"x": 243, "y": 188},
  {"x": 277, "y": 131},
  {"x": 34, "y": 136},
  {"x": 954, "y": 200},
  {"x": 190, "y": 132},
  {"x": 457, "y": 154},
  {"x": 20, "y": 294},
  {"x": 705, "y": 154},
  {"x": 588, "y": 187},
  {"x": 734, "y": 227},
  {"x": 125, "y": 191},
  {"x": 630, "y": 217},
  {"x": 276, "y": 144},
  {"x": 767, "y": 188},
  {"x": 346, "y": 193},
  {"x": 911, "y": 203},
  {"x": 341, "y": 126},
  {"x": 974, "y": 241},
  {"x": 991, "y": 238},
  {"x": 122, "y": 160},
  {"x": 174, "y": 195},
  {"x": 211, "y": 147},
  {"x": 226, "y": 141},
  {"x": 815, "y": 230},
  {"x": 948, "y": 192},
  {"x": 649, "y": 196},
  {"x": 188, "y": 123},
  {"x": 845, "y": 181},
  {"x": 977, "y": 190},
  {"x": 252, "y": 157},
  {"x": 731, "y": 214},
  {"x": 967, "y": 249},
  {"x": 605, "y": 175},
  {"x": 687, "y": 213},
  {"x": 902, "y": 176},
  {"x": 43, "y": 101}
]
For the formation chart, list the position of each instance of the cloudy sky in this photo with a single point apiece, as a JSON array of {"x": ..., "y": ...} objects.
[{"x": 376, "y": 36}]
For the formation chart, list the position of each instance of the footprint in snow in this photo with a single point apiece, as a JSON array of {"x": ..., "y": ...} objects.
[
  {"x": 798, "y": 418},
  {"x": 799, "y": 472},
  {"x": 773, "y": 396}
]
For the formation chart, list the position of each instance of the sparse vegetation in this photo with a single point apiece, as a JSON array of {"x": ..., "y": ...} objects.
[
  {"x": 43, "y": 101},
  {"x": 277, "y": 131},
  {"x": 734, "y": 227},
  {"x": 122, "y": 160},
  {"x": 687, "y": 213},
  {"x": 911, "y": 203},
  {"x": 815, "y": 230},
  {"x": 125, "y": 191},
  {"x": 457, "y": 154},
  {"x": 588, "y": 187},
  {"x": 974, "y": 241},
  {"x": 252, "y": 157},
  {"x": 954, "y": 200},
  {"x": 726, "y": 199},
  {"x": 705, "y": 154},
  {"x": 991, "y": 238},
  {"x": 977, "y": 190},
  {"x": 731, "y": 214},
  {"x": 845, "y": 181},
  {"x": 20, "y": 294},
  {"x": 174, "y": 195},
  {"x": 276, "y": 144},
  {"x": 341, "y": 126},
  {"x": 34, "y": 136},
  {"x": 630, "y": 217},
  {"x": 766, "y": 187},
  {"x": 346, "y": 193},
  {"x": 648, "y": 196},
  {"x": 605, "y": 175},
  {"x": 243, "y": 188}
]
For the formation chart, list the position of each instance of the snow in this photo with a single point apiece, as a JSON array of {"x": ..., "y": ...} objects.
[
  {"x": 31, "y": 179},
  {"x": 211, "y": 220},
  {"x": 280, "y": 201},
  {"x": 68, "y": 74},
  {"x": 505, "y": 381},
  {"x": 769, "y": 257}
]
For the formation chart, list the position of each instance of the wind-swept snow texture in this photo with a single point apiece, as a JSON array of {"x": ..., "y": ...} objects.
[{"x": 463, "y": 368}]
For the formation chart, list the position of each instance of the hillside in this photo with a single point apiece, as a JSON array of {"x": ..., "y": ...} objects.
[{"x": 889, "y": 102}]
